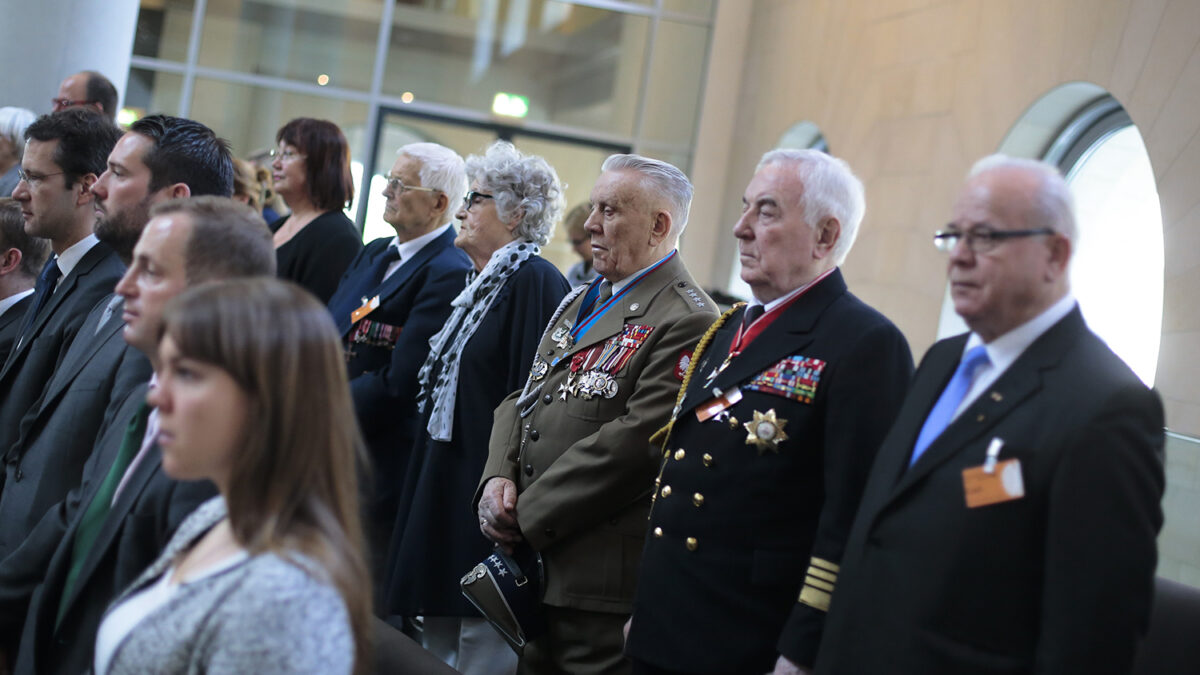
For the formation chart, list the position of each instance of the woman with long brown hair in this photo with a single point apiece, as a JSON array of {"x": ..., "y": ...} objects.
[{"x": 269, "y": 576}]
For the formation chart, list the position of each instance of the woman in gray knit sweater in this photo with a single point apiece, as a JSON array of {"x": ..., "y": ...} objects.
[{"x": 269, "y": 576}]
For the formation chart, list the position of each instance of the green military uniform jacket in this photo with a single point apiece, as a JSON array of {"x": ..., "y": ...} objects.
[{"x": 581, "y": 456}]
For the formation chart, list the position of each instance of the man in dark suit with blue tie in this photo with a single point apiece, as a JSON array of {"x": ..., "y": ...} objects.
[
  {"x": 1009, "y": 522},
  {"x": 768, "y": 450},
  {"x": 65, "y": 152},
  {"x": 21, "y": 256},
  {"x": 395, "y": 295},
  {"x": 158, "y": 159}
]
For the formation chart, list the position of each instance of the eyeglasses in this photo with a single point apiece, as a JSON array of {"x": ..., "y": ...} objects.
[
  {"x": 285, "y": 155},
  {"x": 33, "y": 179},
  {"x": 474, "y": 198},
  {"x": 397, "y": 186},
  {"x": 981, "y": 238},
  {"x": 64, "y": 103}
]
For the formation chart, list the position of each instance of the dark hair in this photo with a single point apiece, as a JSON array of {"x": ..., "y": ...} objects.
[
  {"x": 85, "y": 137},
  {"x": 326, "y": 160},
  {"x": 293, "y": 486},
  {"x": 34, "y": 250},
  {"x": 228, "y": 239},
  {"x": 100, "y": 90},
  {"x": 186, "y": 151}
]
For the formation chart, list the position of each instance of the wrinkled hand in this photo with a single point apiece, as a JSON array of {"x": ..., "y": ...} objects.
[
  {"x": 498, "y": 513},
  {"x": 785, "y": 667}
]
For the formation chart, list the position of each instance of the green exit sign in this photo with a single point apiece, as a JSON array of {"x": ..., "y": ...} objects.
[{"x": 510, "y": 105}]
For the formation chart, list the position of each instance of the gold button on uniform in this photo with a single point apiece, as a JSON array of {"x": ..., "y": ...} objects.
[
  {"x": 666, "y": 491},
  {"x": 698, "y": 499},
  {"x": 692, "y": 543},
  {"x": 679, "y": 454},
  {"x": 707, "y": 459},
  {"x": 657, "y": 532}
]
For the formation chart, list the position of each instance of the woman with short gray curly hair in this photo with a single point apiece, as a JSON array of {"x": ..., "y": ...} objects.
[
  {"x": 525, "y": 188},
  {"x": 481, "y": 354}
]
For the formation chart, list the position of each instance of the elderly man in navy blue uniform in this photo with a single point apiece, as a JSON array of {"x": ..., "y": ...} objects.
[
  {"x": 785, "y": 404},
  {"x": 1009, "y": 523}
]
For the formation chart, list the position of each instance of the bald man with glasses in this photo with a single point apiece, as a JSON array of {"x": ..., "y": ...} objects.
[{"x": 394, "y": 296}]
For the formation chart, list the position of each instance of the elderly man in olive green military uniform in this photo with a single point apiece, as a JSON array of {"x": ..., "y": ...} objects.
[{"x": 570, "y": 468}]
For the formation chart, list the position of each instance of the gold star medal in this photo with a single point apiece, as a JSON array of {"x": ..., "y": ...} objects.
[{"x": 765, "y": 431}]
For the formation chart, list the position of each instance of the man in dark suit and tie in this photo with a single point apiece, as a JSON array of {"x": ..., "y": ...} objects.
[
  {"x": 158, "y": 159},
  {"x": 21, "y": 257},
  {"x": 395, "y": 295},
  {"x": 1009, "y": 522},
  {"x": 767, "y": 453},
  {"x": 55, "y": 587},
  {"x": 64, "y": 154}
]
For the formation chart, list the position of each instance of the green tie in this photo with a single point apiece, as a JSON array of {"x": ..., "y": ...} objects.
[{"x": 97, "y": 510}]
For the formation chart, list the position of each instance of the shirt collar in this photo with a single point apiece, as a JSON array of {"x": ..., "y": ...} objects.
[
  {"x": 618, "y": 285},
  {"x": 13, "y": 299},
  {"x": 411, "y": 247},
  {"x": 1004, "y": 350},
  {"x": 71, "y": 257},
  {"x": 783, "y": 300}
]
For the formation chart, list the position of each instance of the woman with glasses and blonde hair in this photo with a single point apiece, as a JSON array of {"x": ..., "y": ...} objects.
[
  {"x": 311, "y": 171},
  {"x": 482, "y": 353},
  {"x": 269, "y": 576}
]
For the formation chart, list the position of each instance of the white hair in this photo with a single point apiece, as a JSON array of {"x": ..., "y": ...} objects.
[
  {"x": 13, "y": 122},
  {"x": 441, "y": 169},
  {"x": 672, "y": 184},
  {"x": 831, "y": 190},
  {"x": 1053, "y": 205},
  {"x": 520, "y": 184}
]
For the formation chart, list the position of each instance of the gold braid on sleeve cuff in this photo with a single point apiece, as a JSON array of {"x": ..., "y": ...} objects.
[{"x": 819, "y": 583}]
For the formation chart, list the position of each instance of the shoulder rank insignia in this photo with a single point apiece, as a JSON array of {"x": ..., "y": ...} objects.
[
  {"x": 765, "y": 431},
  {"x": 795, "y": 377}
]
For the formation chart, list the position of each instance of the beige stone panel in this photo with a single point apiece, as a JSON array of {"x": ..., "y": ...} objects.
[
  {"x": 1177, "y": 180},
  {"x": 1181, "y": 242},
  {"x": 1111, "y": 17},
  {"x": 907, "y": 143},
  {"x": 1182, "y": 416},
  {"x": 933, "y": 86},
  {"x": 1181, "y": 311},
  {"x": 1075, "y": 44},
  {"x": 934, "y": 32},
  {"x": 874, "y": 10},
  {"x": 1178, "y": 120},
  {"x": 1178, "y": 375},
  {"x": 1171, "y": 48},
  {"x": 1140, "y": 25}
]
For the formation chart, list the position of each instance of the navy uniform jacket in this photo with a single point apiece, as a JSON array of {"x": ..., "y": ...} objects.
[
  {"x": 58, "y": 432},
  {"x": 32, "y": 579},
  {"x": 735, "y": 525},
  {"x": 1059, "y": 581},
  {"x": 582, "y": 463},
  {"x": 10, "y": 323},
  {"x": 385, "y": 349},
  {"x": 30, "y": 366}
]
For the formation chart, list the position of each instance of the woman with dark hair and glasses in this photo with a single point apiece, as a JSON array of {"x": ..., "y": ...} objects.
[
  {"x": 269, "y": 576},
  {"x": 311, "y": 170},
  {"x": 482, "y": 354}
]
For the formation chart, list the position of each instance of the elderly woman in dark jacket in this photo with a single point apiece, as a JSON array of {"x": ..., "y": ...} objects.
[{"x": 480, "y": 356}]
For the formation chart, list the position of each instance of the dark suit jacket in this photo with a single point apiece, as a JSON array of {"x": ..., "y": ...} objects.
[
  {"x": 59, "y": 431},
  {"x": 1058, "y": 581},
  {"x": 413, "y": 304},
  {"x": 834, "y": 371},
  {"x": 30, "y": 366},
  {"x": 142, "y": 520},
  {"x": 10, "y": 323}
]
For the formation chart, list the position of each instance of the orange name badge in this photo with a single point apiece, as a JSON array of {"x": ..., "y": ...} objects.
[
  {"x": 368, "y": 306},
  {"x": 705, "y": 411},
  {"x": 1003, "y": 484}
]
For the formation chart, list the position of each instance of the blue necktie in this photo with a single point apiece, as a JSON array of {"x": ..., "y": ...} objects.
[
  {"x": 41, "y": 296},
  {"x": 952, "y": 396}
]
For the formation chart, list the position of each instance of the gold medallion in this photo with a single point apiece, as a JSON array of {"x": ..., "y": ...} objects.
[{"x": 765, "y": 431}]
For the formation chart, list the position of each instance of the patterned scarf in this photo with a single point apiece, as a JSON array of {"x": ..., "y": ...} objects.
[{"x": 470, "y": 307}]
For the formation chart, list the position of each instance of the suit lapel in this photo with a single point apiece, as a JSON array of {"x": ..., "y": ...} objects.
[
  {"x": 84, "y": 347},
  {"x": 393, "y": 283}
]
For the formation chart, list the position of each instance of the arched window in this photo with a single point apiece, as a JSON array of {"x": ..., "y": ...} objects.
[{"x": 1117, "y": 266}]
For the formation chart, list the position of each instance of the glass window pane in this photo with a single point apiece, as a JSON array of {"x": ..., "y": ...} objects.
[
  {"x": 578, "y": 66},
  {"x": 163, "y": 27},
  {"x": 149, "y": 92},
  {"x": 296, "y": 39},
  {"x": 676, "y": 73},
  {"x": 248, "y": 117},
  {"x": 702, "y": 8}
]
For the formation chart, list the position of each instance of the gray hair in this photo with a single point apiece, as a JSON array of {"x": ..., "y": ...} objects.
[
  {"x": 1053, "y": 205},
  {"x": 672, "y": 184},
  {"x": 441, "y": 169},
  {"x": 831, "y": 190},
  {"x": 13, "y": 122},
  {"x": 521, "y": 184}
]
